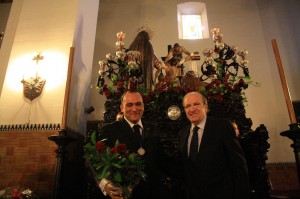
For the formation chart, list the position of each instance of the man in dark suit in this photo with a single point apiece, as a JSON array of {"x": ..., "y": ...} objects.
[
  {"x": 145, "y": 142},
  {"x": 214, "y": 162}
]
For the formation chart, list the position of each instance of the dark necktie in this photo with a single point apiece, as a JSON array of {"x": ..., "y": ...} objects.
[
  {"x": 136, "y": 130},
  {"x": 194, "y": 145}
]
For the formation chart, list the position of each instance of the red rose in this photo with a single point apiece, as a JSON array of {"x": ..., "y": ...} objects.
[
  {"x": 219, "y": 98},
  {"x": 170, "y": 89},
  {"x": 227, "y": 76},
  {"x": 16, "y": 194},
  {"x": 132, "y": 85},
  {"x": 120, "y": 84},
  {"x": 118, "y": 93},
  {"x": 160, "y": 90},
  {"x": 187, "y": 90},
  {"x": 150, "y": 92},
  {"x": 147, "y": 99},
  {"x": 209, "y": 92},
  {"x": 114, "y": 150},
  {"x": 100, "y": 146},
  {"x": 236, "y": 87},
  {"x": 107, "y": 93},
  {"x": 165, "y": 79},
  {"x": 121, "y": 148},
  {"x": 210, "y": 85},
  {"x": 218, "y": 81}
]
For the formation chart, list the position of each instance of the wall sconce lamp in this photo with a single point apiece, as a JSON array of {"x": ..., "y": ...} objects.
[{"x": 33, "y": 87}]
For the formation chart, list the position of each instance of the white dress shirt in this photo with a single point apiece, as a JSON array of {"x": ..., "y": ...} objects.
[{"x": 201, "y": 126}]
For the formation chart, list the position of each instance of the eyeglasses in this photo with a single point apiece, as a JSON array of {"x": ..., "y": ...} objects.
[{"x": 195, "y": 105}]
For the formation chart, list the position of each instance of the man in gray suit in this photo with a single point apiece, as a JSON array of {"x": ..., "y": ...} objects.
[{"x": 214, "y": 162}]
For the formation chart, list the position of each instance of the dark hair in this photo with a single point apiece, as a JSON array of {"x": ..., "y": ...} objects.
[
  {"x": 130, "y": 91},
  {"x": 176, "y": 45}
]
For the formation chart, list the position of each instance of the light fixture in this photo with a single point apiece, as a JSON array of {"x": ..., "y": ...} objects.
[{"x": 33, "y": 87}]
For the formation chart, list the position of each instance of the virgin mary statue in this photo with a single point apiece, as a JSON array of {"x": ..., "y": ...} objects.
[{"x": 142, "y": 44}]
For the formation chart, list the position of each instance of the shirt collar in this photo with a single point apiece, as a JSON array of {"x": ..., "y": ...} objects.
[
  {"x": 132, "y": 124},
  {"x": 201, "y": 125}
]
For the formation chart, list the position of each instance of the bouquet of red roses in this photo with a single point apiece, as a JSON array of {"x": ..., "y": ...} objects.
[{"x": 116, "y": 164}]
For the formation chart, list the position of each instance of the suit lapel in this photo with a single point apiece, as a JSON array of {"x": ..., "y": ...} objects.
[
  {"x": 128, "y": 135},
  {"x": 184, "y": 141},
  {"x": 204, "y": 141}
]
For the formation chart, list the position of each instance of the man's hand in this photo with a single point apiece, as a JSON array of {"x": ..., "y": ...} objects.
[{"x": 113, "y": 191}]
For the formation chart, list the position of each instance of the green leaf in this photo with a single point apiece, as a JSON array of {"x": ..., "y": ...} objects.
[
  {"x": 89, "y": 146},
  {"x": 117, "y": 177},
  {"x": 116, "y": 165},
  {"x": 248, "y": 78},
  {"x": 122, "y": 160},
  {"x": 117, "y": 143},
  {"x": 104, "y": 173},
  {"x": 93, "y": 138},
  {"x": 131, "y": 157}
]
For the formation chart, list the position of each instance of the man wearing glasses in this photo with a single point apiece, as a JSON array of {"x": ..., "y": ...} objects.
[{"x": 214, "y": 163}]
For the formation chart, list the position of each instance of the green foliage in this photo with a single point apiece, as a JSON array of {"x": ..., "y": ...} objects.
[{"x": 114, "y": 163}]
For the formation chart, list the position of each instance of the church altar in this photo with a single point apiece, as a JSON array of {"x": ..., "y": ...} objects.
[{"x": 224, "y": 78}]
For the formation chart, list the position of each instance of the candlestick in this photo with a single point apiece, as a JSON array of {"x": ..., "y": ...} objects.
[{"x": 284, "y": 83}]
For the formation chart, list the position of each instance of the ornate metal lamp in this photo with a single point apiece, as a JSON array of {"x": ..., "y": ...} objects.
[{"x": 33, "y": 87}]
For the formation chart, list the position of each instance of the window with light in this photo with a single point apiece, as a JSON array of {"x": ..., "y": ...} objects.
[
  {"x": 191, "y": 27},
  {"x": 192, "y": 21}
]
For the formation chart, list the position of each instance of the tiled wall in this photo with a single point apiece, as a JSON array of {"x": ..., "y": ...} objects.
[{"x": 28, "y": 159}]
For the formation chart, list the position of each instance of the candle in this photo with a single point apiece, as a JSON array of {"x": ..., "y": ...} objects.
[{"x": 284, "y": 83}]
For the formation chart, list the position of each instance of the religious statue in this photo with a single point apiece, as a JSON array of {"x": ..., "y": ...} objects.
[
  {"x": 173, "y": 63},
  {"x": 148, "y": 60},
  {"x": 175, "y": 58}
]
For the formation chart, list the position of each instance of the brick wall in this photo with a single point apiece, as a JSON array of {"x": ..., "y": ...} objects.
[
  {"x": 28, "y": 158},
  {"x": 283, "y": 176}
]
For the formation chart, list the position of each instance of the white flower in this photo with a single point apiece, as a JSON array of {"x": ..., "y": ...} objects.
[
  {"x": 109, "y": 56},
  {"x": 243, "y": 53},
  {"x": 220, "y": 45},
  {"x": 120, "y": 54},
  {"x": 244, "y": 62},
  {"x": 27, "y": 192},
  {"x": 120, "y": 43},
  {"x": 121, "y": 35},
  {"x": 133, "y": 65}
]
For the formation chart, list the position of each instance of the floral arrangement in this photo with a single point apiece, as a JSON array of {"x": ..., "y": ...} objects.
[
  {"x": 17, "y": 193},
  {"x": 220, "y": 72},
  {"x": 116, "y": 164},
  {"x": 224, "y": 72},
  {"x": 122, "y": 69},
  {"x": 221, "y": 66}
]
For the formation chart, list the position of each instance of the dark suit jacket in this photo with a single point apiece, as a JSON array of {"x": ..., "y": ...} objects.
[
  {"x": 221, "y": 169},
  {"x": 121, "y": 130}
]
